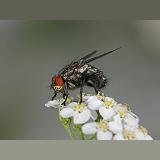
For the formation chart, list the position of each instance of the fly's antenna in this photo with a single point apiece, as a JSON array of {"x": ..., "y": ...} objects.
[{"x": 94, "y": 58}]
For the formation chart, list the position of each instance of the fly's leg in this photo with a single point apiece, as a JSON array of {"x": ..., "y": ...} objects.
[
  {"x": 55, "y": 94},
  {"x": 81, "y": 90},
  {"x": 65, "y": 97},
  {"x": 97, "y": 90},
  {"x": 65, "y": 94}
]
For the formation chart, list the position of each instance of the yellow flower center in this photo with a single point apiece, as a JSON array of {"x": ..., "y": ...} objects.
[
  {"x": 80, "y": 107},
  {"x": 103, "y": 125},
  {"x": 122, "y": 114},
  {"x": 127, "y": 107},
  {"x": 109, "y": 103},
  {"x": 77, "y": 107},
  {"x": 133, "y": 136},
  {"x": 143, "y": 130},
  {"x": 129, "y": 135},
  {"x": 69, "y": 100},
  {"x": 100, "y": 96},
  {"x": 61, "y": 100}
]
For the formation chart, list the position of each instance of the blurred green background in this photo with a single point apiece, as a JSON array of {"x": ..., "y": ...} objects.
[{"x": 31, "y": 52}]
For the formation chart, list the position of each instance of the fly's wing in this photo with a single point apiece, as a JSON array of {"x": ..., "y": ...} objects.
[
  {"x": 87, "y": 56},
  {"x": 97, "y": 57},
  {"x": 66, "y": 68},
  {"x": 74, "y": 64},
  {"x": 77, "y": 64}
]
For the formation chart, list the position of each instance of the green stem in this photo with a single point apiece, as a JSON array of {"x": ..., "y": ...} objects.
[
  {"x": 69, "y": 132},
  {"x": 66, "y": 124},
  {"x": 98, "y": 117},
  {"x": 91, "y": 137},
  {"x": 78, "y": 130}
]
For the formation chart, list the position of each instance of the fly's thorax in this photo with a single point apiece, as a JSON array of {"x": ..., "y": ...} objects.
[
  {"x": 74, "y": 81},
  {"x": 82, "y": 69}
]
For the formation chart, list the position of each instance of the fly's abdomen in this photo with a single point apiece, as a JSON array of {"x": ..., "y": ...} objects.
[{"x": 96, "y": 77}]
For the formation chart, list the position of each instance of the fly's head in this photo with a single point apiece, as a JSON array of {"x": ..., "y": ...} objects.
[{"x": 57, "y": 84}]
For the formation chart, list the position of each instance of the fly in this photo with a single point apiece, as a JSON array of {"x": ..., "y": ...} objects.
[{"x": 77, "y": 74}]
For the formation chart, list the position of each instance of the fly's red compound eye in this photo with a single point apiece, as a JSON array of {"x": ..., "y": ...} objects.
[
  {"x": 59, "y": 81},
  {"x": 53, "y": 79}
]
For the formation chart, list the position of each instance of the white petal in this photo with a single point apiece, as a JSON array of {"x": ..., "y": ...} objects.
[
  {"x": 118, "y": 137},
  {"x": 106, "y": 113},
  {"x": 117, "y": 118},
  {"x": 67, "y": 112},
  {"x": 72, "y": 104},
  {"x": 83, "y": 117},
  {"x": 131, "y": 122},
  {"x": 86, "y": 97},
  {"x": 111, "y": 99},
  {"x": 95, "y": 104},
  {"x": 89, "y": 128},
  {"x": 93, "y": 114},
  {"x": 148, "y": 137},
  {"x": 120, "y": 107},
  {"x": 139, "y": 136},
  {"x": 101, "y": 135},
  {"x": 115, "y": 127},
  {"x": 129, "y": 128},
  {"x": 92, "y": 98},
  {"x": 54, "y": 103},
  {"x": 133, "y": 116}
]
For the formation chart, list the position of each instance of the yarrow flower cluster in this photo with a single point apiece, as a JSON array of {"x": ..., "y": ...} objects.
[{"x": 101, "y": 117}]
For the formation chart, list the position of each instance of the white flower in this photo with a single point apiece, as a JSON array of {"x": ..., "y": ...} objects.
[
  {"x": 54, "y": 104},
  {"x": 90, "y": 128},
  {"x": 106, "y": 113},
  {"x": 126, "y": 117},
  {"x": 101, "y": 135},
  {"x": 104, "y": 129},
  {"x": 143, "y": 134},
  {"x": 86, "y": 97},
  {"x": 131, "y": 133},
  {"x": 94, "y": 103},
  {"x": 118, "y": 137},
  {"x": 104, "y": 105},
  {"x": 127, "y": 134},
  {"x": 107, "y": 109},
  {"x": 131, "y": 128},
  {"x": 57, "y": 103},
  {"x": 131, "y": 121},
  {"x": 80, "y": 113},
  {"x": 115, "y": 121},
  {"x": 115, "y": 127}
]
